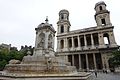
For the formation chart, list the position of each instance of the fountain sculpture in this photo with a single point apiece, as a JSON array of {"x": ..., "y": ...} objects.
[{"x": 43, "y": 64}]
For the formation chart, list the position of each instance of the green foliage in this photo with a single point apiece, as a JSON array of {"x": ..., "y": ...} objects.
[
  {"x": 4, "y": 50},
  {"x": 14, "y": 55},
  {"x": 115, "y": 59},
  {"x": 3, "y": 54},
  {"x": 2, "y": 64},
  {"x": 6, "y": 56}
]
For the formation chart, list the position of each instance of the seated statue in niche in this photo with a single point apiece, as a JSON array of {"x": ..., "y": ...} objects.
[
  {"x": 49, "y": 44},
  {"x": 50, "y": 41},
  {"x": 41, "y": 43}
]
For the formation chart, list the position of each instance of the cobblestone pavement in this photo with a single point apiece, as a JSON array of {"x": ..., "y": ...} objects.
[{"x": 108, "y": 76}]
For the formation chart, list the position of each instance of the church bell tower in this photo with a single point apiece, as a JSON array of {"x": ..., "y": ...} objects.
[
  {"x": 102, "y": 15},
  {"x": 63, "y": 23}
]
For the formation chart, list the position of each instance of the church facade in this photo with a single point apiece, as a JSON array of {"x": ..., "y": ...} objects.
[{"x": 88, "y": 48}]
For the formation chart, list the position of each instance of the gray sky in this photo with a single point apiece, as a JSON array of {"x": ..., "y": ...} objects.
[{"x": 19, "y": 18}]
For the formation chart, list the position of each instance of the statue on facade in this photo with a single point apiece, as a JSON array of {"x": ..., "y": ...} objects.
[
  {"x": 41, "y": 43},
  {"x": 49, "y": 44},
  {"x": 50, "y": 41}
]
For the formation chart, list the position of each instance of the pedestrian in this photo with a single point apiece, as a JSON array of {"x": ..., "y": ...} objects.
[
  {"x": 96, "y": 73},
  {"x": 103, "y": 71},
  {"x": 106, "y": 71}
]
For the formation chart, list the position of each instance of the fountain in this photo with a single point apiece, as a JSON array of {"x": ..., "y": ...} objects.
[{"x": 43, "y": 64}]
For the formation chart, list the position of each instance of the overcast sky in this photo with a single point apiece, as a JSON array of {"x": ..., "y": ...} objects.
[{"x": 19, "y": 18}]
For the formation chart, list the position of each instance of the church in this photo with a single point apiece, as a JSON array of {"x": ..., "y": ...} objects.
[{"x": 88, "y": 48}]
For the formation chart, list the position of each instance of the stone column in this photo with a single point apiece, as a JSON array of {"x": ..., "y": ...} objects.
[
  {"x": 80, "y": 67},
  {"x": 85, "y": 47},
  {"x": 101, "y": 40},
  {"x": 53, "y": 42},
  {"x": 72, "y": 43},
  {"x": 87, "y": 65},
  {"x": 112, "y": 39},
  {"x": 94, "y": 60},
  {"x": 58, "y": 45},
  {"x": 78, "y": 42},
  {"x": 103, "y": 63},
  {"x": 65, "y": 44},
  {"x": 73, "y": 60},
  {"x": 58, "y": 29},
  {"x": 92, "y": 41},
  {"x": 106, "y": 62}
]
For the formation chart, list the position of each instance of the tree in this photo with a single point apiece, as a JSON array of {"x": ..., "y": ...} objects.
[
  {"x": 25, "y": 49},
  {"x": 6, "y": 56},
  {"x": 13, "y": 54},
  {"x": 114, "y": 61},
  {"x": 2, "y": 64}
]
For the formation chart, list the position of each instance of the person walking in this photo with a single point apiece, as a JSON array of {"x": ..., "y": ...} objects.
[{"x": 96, "y": 73}]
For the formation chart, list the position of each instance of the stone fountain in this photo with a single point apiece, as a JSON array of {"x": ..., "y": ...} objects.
[{"x": 43, "y": 64}]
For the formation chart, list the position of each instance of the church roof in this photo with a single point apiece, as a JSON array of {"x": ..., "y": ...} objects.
[
  {"x": 64, "y": 11},
  {"x": 99, "y": 3}
]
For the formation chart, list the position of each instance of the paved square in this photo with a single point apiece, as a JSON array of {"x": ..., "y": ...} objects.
[{"x": 108, "y": 76}]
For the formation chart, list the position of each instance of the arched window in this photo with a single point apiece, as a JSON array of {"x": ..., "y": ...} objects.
[
  {"x": 62, "y": 44},
  {"x": 69, "y": 43},
  {"x": 88, "y": 39},
  {"x": 76, "y": 42},
  {"x": 103, "y": 21},
  {"x": 100, "y": 7},
  {"x": 67, "y": 17},
  {"x": 106, "y": 38},
  {"x": 95, "y": 39},
  {"x": 50, "y": 37},
  {"x": 50, "y": 41},
  {"x": 82, "y": 42},
  {"x": 62, "y": 16},
  {"x": 62, "y": 28},
  {"x": 41, "y": 40}
]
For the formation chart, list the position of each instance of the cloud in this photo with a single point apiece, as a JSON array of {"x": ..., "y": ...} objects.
[{"x": 18, "y": 18}]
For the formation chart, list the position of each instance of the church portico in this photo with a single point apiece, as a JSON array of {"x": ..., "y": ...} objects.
[{"x": 88, "y": 61}]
